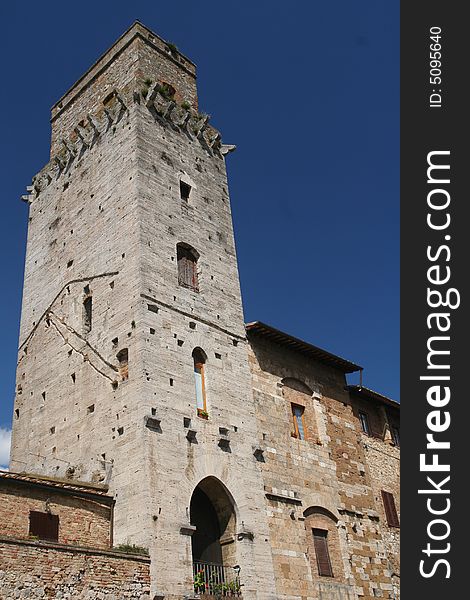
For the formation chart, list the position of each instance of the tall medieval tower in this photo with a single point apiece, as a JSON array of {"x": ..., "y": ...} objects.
[{"x": 133, "y": 363}]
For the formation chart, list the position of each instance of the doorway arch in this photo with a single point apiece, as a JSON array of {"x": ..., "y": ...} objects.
[{"x": 213, "y": 513}]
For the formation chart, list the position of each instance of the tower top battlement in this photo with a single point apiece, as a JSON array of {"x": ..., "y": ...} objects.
[{"x": 139, "y": 55}]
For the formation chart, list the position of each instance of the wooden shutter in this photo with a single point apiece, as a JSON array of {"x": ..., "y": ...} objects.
[
  {"x": 187, "y": 269},
  {"x": 44, "y": 525},
  {"x": 321, "y": 552},
  {"x": 390, "y": 509}
]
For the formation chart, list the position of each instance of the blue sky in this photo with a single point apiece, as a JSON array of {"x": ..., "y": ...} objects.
[{"x": 309, "y": 93}]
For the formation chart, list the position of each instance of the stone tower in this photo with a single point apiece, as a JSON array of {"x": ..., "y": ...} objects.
[{"x": 133, "y": 362}]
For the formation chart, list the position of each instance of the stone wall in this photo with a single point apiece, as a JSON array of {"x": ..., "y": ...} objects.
[
  {"x": 31, "y": 569},
  {"x": 324, "y": 477},
  {"x": 383, "y": 462},
  {"x": 124, "y": 67},
  {"x": 382, "y": 459}
]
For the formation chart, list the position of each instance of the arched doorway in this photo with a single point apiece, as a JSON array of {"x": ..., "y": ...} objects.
[{"x": 212, "y": 512}]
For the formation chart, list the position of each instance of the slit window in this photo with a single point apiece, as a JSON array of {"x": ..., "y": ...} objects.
[
  {"x": 185, "y": 190},
  {"x": 87, "y": 314},
  {"x": 123, "y": 359},
  {"x": 44, "y": 526},
  {"x": 320, "y": 542},
  {"x": 187, "y": 267},
  {"x": 199, "y": 379},
  {"x": 364, "y": 419},
  {"x": 299, "y": 423}
]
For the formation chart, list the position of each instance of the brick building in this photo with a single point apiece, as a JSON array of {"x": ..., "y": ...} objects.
[
  {"x": 56, "y": 542},
  {"x": 236, "y": 454}
]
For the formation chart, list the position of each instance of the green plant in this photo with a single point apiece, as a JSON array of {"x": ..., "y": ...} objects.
[
  {"x": 172, "y": 48},
  {"x": 234, "y": 586},
  {"x": 225, "y": 589},
  {"x": 148, "y": 82},
  {"x": 185, "y": 105},
  {"x": 199, "y": 582},
  {"x": 166, "y": 91},
  {"x": 131, "y": 549},
  {"x": 202, "y": 413}
]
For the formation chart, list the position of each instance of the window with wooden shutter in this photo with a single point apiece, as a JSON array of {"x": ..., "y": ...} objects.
[
  {"x": 45, "y": 526},
  {"x": 390, "y": 509},
  {"x": 187, "y": 267},
  {"x": 320, "y": 541}
]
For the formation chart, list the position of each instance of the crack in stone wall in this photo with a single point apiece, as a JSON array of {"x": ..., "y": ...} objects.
[
  {"x": 85, "y": 343},
  {"x": 64, "y": 287}
]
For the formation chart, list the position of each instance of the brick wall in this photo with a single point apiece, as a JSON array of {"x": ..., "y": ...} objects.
[
  {"x": 31, "y": 569},
  {"x": 82, "y": 521}
]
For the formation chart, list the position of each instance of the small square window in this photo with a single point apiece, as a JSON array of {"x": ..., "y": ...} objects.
[
  {"x": 44, "y": 526},
  {"x": 185, "y": 190}
]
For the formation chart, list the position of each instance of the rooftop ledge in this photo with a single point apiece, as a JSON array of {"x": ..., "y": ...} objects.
[
  {"x": 283, "y": 339},
  {"x": 61, "y": 484},
  {"x": 137, "y": 29}
]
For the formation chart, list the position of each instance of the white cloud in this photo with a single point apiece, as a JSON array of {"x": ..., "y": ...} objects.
[{"x": 5, "y": 439}]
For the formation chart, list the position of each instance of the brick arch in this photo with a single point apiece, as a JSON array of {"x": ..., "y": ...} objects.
[
  {"x": 320, "y": 510},
  {"x": 321, "y": 521},
  {"x": 296, "y": 385}
]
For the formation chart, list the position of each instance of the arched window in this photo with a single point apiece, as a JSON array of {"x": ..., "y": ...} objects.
[
  {"x": 199, "y": 359},
  {"x": 187, "y": 259}
]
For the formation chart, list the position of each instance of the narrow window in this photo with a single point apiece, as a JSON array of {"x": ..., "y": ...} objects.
[
  {"x": 363, "y": 418},
  {"x": 44, "y": 526},
  {"x": 395, "y": 435},
  {"x": 123, "y": 359},
  {"x": 299, "y": 424},
  {"x": 199, "y": 380},
  {"x": 87, "y": 314},
  {"x": 320, "y": 541},
  {"x": 390, "y": 509},
  {"x": 187, "y": 267},
  {"x": 185, "y": 190}
]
